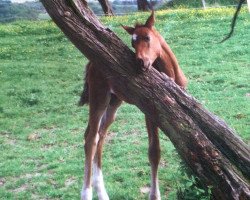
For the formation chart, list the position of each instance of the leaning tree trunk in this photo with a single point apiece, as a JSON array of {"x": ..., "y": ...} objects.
[
  {"x": 207, "y": 145},
  {"x": 106, "y": 7},
  {"x": 143, "y": 5},
  {"x": 203, "y": 4}
]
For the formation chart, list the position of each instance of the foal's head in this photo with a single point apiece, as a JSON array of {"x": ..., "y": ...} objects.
[{"x": 145, "y": 42}]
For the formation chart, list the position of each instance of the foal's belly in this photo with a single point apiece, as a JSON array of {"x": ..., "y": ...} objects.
[{"x": 108, "y": 84}]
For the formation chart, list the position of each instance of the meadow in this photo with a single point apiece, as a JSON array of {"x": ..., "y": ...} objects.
[{"x": 41, "y": 126}]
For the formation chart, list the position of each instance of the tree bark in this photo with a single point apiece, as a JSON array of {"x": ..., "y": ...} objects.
[
  {"x": 207, "y": 145},
  {"x": 143, "y": 5},
  {"x": 106, "y": 7}
]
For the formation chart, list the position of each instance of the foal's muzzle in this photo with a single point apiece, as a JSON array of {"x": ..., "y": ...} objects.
[{"x": 143, "y": 64}]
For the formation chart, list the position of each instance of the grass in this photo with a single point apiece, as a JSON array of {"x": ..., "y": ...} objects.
[{"x": 41, "y": 128}]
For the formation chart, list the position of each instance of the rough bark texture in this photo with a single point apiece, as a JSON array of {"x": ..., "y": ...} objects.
[
  {"x": 106, "y": 7},
  {"x": 207, "y": 145}
]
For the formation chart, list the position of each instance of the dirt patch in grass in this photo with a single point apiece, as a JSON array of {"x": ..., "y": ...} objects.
[
  {"x": 8, "y": 139},
  {"x": 22, "y": 188},
  {"x": 110, "y": 137},
  {"x": 33, "y": 137},
  {"x": 47, "y": 146},
  {"x": 70, "y": 181},
  {"x": 30, "y": 175},
  {"x": 2, "y": 182},
  {"x": 145, "y": 190}
]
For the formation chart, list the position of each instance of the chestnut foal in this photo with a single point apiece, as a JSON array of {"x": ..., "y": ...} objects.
[{"x": 150, "y": 50}]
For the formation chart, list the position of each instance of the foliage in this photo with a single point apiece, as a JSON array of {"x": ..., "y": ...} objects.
[
  {"x": 41, "y": 128},
  {"x": 197, "y": 3},
  {"x": 12, "y": 11},
  {"x": 190, "y": 186},
  {"x": 5, "y": 7}
]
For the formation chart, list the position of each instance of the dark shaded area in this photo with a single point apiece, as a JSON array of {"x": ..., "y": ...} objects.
[
  {"x": 106, "y": 7},
  {"x": 143, "y": 5}
]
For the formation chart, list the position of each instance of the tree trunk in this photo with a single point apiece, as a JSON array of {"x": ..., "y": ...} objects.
[
  {"x": 207, "y": 145},
  {"x": 203, "y": 4},
  {"x": 106, "y": 7},
  {"x": 143, "y": 5},
  {"x": 248, "y": 5}
]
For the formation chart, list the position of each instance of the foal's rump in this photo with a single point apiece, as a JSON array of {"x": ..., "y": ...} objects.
[{"x": 84, "y": 99}]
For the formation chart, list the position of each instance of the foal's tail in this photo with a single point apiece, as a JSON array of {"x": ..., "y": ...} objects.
[{"x": 84, "y": 99}]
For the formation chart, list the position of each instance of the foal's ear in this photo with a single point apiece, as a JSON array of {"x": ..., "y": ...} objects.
[
  {"x": 130, "y": 30},
  {"x": 150, "y": 21}
]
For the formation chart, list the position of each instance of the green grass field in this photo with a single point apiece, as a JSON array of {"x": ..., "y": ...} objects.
[{"x": 41, "y": 126}]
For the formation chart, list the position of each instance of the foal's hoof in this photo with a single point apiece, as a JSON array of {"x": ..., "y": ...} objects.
[{"x": 154, "y": 197}]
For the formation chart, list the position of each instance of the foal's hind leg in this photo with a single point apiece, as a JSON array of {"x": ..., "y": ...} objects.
[
  {"x": 154, "y": 155},
  {"x": 107, "y": 120},
  {"x": 99, "y": 98}
]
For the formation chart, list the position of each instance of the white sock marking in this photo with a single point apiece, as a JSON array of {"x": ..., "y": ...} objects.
[
  {"x": 154, "y": 190},
  {"x": 86, "y": 194},
  {"x": 98, "y": 183}
]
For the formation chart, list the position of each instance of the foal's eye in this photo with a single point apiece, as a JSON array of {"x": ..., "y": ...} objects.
[{"x": 147, "y": 38}]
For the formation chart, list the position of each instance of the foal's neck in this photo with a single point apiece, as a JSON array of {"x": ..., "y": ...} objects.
[{"x": 168, "y": 63}]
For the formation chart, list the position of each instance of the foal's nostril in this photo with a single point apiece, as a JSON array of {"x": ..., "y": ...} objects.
[{"x": 140, "y": 62}]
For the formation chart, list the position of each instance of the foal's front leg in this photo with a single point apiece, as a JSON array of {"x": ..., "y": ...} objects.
[{"x": 154, "y": 154}]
